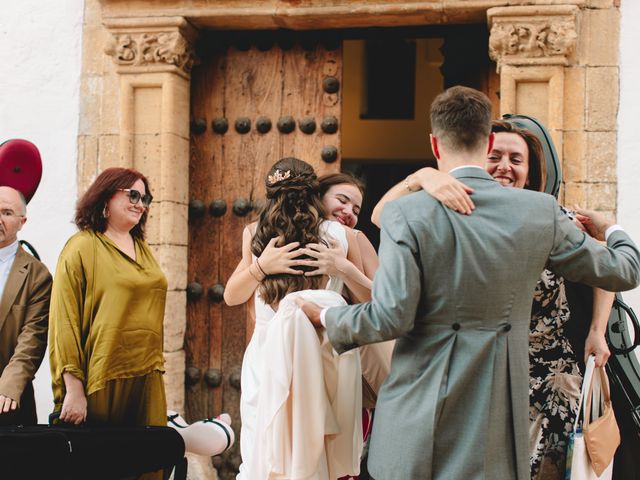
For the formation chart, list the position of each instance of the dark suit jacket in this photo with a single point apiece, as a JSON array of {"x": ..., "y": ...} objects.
[{"x": 24, "y": 318}]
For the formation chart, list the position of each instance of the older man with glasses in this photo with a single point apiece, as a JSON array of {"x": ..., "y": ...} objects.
[{"x": 25, "y": 287}]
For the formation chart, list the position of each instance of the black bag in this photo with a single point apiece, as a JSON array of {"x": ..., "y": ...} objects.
[{"x": 70, "y": 453}]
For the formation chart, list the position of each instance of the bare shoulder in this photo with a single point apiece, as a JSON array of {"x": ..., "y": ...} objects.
[
  {"x": 247, "y": 238},
  {"x": 363, "y": 240},
  {"x": 249, "y": 231},
  {"x": 334, "y": 228},
  {"x": 251, "y": 228}
]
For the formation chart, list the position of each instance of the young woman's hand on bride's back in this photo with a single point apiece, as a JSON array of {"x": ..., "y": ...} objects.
[{"x": 328, "y": 260}]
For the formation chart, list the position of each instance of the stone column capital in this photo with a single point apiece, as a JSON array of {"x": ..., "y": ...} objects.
[
  {"x": 144, "y": 45},
  {"x": 532, "y": 35}
]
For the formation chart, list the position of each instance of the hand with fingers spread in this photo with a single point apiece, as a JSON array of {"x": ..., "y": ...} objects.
[
  {"x": 7, "y": 404},
  {"x": 594, "y": 222},
  {"x": 451, "y": 192},
  {"x": 328, "y": 260},
  {"x": 277, "y": 260}
]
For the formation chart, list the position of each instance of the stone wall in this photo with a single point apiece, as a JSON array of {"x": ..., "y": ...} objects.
[
  {"x": 558, "y": 61},
  {"x": 135, "y": 113},
  {"x": 592, "y": 93}
]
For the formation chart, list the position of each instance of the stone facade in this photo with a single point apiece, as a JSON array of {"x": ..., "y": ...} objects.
[
  {"x": 557, "y": 59},
  {"x": 556, "y": 64}
]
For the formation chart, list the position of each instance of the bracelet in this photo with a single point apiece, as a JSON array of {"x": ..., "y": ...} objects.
[
  {"x": 264, "y": 274},
  {"x": 259, "y": 280},
  {"x": 406, "y": 184}
]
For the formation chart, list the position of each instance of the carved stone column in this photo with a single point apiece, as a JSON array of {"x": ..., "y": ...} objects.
[
  {"x": 153, "y": 59},
  {"x": 536, "y": 35},
  {"x": 532, "y": 45}
]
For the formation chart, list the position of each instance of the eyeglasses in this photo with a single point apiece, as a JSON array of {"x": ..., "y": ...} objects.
[
  {"x": 7, "y": 213},
  {"x": 135, "y": 196}
]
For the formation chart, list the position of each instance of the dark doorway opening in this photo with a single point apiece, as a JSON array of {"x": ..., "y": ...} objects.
[
  {"x": 378, "y": 178},
  {"x": 385, "y": 127}
]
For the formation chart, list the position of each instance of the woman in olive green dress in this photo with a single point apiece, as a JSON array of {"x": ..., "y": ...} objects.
[{"x": 107, "y": 309}]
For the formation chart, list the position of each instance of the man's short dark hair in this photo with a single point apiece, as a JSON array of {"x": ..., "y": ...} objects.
[{"x": 461, "y": 118}]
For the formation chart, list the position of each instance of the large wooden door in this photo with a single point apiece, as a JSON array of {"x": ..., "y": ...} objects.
[{"x": 254, "y": 101}]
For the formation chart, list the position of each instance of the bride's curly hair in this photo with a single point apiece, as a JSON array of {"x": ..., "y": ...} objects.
[{"x": 293, "y": 212}]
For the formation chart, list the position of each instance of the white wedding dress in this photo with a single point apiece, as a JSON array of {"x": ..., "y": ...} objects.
[{"x": 301, "y": 402}]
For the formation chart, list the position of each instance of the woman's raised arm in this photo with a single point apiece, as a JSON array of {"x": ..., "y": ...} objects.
[
  {"x": 596, "y": 342},
  {"x": 249, "y": 273},
  {"x": 443, "y": 187}
]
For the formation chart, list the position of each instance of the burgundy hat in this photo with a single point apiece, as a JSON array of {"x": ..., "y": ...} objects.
[{"x": 20, "y": 166}]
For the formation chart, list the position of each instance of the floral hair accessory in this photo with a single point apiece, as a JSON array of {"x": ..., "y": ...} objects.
[{"x": 278, "y": 176}]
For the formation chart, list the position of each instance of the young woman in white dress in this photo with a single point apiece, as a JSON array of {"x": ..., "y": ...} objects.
[{"x": 272, "y": 267}]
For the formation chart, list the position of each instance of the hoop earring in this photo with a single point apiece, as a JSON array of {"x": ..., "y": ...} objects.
[{"x": 105, "y": 212}]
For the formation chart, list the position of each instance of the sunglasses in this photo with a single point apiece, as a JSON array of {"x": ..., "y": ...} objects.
[{"x": 135, "y": 196}]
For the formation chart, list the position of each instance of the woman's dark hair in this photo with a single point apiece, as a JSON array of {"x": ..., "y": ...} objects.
[
  {"x": 90, "y": 208},
  {"x": 537, "y": 165},
  {"x": 331, "y": 179},
  {"x": 293, "y": 213}
]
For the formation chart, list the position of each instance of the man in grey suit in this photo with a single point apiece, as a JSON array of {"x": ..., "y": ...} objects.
[{"x": 456, "y": 291}]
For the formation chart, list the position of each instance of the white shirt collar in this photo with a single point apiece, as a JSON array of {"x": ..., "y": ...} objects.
[
  {"x": 9, "y": 251},
  {"x": 466, "y": 166}
]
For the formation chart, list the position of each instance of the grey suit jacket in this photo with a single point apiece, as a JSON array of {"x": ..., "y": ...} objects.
[
  {"x": 456, "y": 291},
  {"x": 24, "y": 318}
]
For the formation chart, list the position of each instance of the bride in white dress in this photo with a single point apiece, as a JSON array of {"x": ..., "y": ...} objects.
[{"x": 299, "y": 409}]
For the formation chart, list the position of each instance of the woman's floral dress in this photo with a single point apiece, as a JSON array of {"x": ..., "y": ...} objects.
[{"x": 554, "y": 380}]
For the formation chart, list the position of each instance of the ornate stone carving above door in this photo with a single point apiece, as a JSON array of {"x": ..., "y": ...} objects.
[
  {"x": 152, "y": 44},
  {"x": 532, "y": 35},
  {"x": 149, "y": 48},
  {"x": 542, "y": 39}
]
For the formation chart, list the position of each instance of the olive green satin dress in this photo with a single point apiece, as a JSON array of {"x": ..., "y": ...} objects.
[{"x": 106, "y": 328}]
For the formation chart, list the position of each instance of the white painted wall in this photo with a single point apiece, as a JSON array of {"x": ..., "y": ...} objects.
[
  {"x": 40, "y": 59},
  {"x": 628, "y": 124}
]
